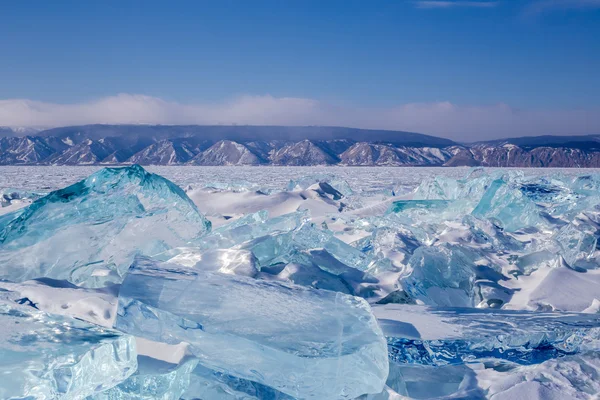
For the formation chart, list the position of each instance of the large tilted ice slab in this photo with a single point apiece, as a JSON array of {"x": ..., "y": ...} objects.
[
  {"x": 303, "y": 342},
  {"x": 89, "y": 232},
  {"x": 283, "y": 248},
  {"x": 442, "y": 276},
  {"x": 249, "y": 227},
  {"x": 509, "y": 205},
  {"x": 44, "y": 356},
  {"x": 441, "y": 336}
]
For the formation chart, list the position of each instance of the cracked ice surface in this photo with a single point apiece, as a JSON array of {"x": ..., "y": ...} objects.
[
  {"x": 443, "y": 336},
  {"x": 292, "y": 283}
]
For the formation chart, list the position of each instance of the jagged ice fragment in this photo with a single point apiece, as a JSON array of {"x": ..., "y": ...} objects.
[{"x": 303, "y": 342}]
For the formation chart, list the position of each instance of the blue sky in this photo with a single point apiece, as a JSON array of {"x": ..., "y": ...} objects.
[{"x": 343, "y": 58}]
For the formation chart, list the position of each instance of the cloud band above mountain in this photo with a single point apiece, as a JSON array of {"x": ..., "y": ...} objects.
[
  {"x": 455, "y": 3},
  {"x": 441, "y": 118}
]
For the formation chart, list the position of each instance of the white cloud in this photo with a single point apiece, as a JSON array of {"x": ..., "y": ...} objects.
[
  {"x": 455, "y": 3},
  {"x": 540, "y": 6},
  {"x": 440, "y": 118}
]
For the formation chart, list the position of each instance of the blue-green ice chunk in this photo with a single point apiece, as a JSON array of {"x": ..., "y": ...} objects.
[
  {"x": 403, "y": 205},
  {"x": 287, "y": 247},
  {"x": 578, "y": 246},
  {"x": 303, "y": 342},
  {"x": 153, "y": 380},
  {"x": 44, "y": 356},
  {"x": 89, "y": 232},
  {"x": 509, "y": 206},
  {"x": 442, "y": 276}
]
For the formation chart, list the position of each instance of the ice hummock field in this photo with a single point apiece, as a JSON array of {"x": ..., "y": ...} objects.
[{"x": 299, "y": 283}]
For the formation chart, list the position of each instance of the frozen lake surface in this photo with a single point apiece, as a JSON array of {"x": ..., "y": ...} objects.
[
  {"x": 47, "y": 178},
  {"x": 300, "y": 283}
]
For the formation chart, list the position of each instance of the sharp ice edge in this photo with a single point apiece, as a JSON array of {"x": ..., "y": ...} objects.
[
  {"x": 154, "y": 379},
  {"x": 313, "y": 344},
  {"x": 96, "y": 224},
  {"x": 45, "y": 356}
]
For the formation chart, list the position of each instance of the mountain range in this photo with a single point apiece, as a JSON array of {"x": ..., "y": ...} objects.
[{"x": 282, "y": 145}]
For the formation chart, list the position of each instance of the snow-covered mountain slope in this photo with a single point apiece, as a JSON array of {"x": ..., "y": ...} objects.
[
  {"x": 384, "y": 154},
  {"x": 86, "y": 152},
  {"x": 227, "y": 152},
  {"x": 303, "y": 153},
  {"x": 272, "y": 145},
  {"x": 24, "y": 150},
  {"x": 510, "y": 155},
  {"x": 164, "y": 152}
]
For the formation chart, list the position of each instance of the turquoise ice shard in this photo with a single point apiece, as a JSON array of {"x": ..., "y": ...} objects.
[
  {"x": 240, "y": 230},
  {"x": 404, "y": 205},
  {"x": 442, "y": 276},
  {"x": 289, "y": 246},
  {"x": 310, "y": 274},
  {"x": 98, "y": 224},
  {"x": 312, "y": 257},
  {"x": 471, "y": 188},
  {"x": 249, "y": 227},
  {"x": 303, "y": 342},
  {"x": 509, "y": 205},
  {"x": 6, "y": 219},
  {"x": 226, "y": 261},
  {"x": 153, "y": 380},
  {"x": 453, "y": 336},
  {"x": 578, "y": 245},
  {"x": 44, "y": 356},
  {"x": 484, "y": 232},
  {"x": 438, "y": 188}
]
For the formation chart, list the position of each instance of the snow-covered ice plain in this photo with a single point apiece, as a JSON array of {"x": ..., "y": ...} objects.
[
  {"x": 299, "y": 283},
  {"x": 45, "y": 178}
]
